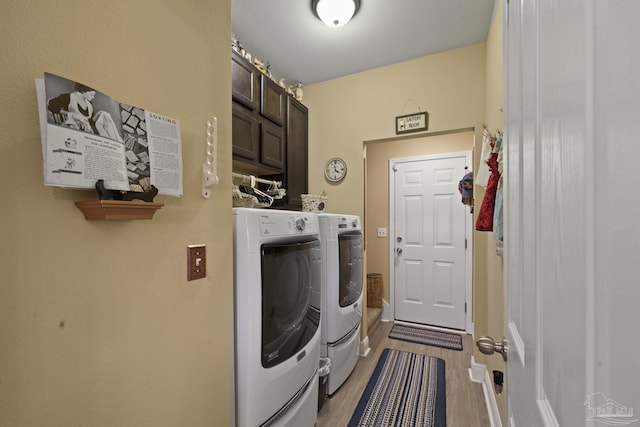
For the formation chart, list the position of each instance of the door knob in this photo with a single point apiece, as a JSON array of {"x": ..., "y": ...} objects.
[
  {"x": 399, "y": 251},
  {"x": 487, "y": 345}
]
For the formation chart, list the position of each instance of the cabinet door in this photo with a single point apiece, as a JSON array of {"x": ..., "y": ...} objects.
[
  {"x": 272, "y": 149},
  {"x": 272, "y": 97},
  {"x": 245, "y": 132},
  {"x": 244, "y": 81},
  {"x": 297, "y": 138}
]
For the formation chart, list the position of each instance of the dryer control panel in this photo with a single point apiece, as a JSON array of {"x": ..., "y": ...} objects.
[{"x": 286, "y": 224}]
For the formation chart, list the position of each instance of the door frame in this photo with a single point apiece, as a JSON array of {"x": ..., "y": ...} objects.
[{"x": 468, "y": 232}]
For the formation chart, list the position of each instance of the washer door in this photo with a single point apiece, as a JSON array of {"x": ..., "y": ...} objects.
[
  {"x": 350, "y": 246},
  {"x": 290, "y": 283}
]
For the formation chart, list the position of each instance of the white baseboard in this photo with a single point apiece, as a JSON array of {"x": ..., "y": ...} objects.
[
  {"x": 386, "y": 312},
  {"x": 478, "y": 373},
  {"x": 364, "y": 347}
]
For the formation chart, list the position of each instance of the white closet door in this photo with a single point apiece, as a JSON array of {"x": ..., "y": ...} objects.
[{"x": 572, "y": 221}]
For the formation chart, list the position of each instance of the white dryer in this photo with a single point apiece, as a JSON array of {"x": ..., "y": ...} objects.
[
  {"x": 277, "y": 278},
  {"x": 341, "y": 239}
]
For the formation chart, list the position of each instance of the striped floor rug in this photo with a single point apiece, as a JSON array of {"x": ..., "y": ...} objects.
[
  {"x": 405, "y": 390},
  {"x": 426, "y": 336}
]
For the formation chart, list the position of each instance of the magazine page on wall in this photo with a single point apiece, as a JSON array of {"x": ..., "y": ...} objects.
[{"x": 88, "y": 136}]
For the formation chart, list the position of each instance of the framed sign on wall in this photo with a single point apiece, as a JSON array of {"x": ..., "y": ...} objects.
[{"x": 412, "y": 123}]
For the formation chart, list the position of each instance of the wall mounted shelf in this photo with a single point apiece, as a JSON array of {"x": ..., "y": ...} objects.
[{"x": 117, "y": 209}]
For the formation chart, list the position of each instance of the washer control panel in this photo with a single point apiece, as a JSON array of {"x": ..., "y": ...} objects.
[
  {"x": 288, "y": 223},
  {"x": 350, "y": 223}
]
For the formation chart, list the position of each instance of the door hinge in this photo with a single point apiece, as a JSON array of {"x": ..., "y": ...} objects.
[
  {"x": 465, "y": 243},
  {"x": 394, "y": 167},
  {"x": 465, "y": 307}
]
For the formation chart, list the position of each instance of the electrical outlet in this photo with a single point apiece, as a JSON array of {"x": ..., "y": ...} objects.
[
  {"x": 382, "y": 232},
  {"x": 196, "y": 262}
]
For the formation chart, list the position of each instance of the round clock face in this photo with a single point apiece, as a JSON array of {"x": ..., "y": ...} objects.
[{"x": 335, "y": 170}]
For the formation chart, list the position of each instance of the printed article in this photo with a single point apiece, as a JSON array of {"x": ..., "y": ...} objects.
[{"x": 87, "y": 136}]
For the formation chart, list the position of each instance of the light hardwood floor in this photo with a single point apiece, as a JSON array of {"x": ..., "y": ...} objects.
[{"x": 465, "y": 400}]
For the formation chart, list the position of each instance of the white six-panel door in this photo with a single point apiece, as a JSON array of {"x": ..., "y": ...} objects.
[{"x": 429, "y": 232}]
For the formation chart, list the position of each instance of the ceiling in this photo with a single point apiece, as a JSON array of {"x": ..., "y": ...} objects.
[{"x": 300, "y": 48}]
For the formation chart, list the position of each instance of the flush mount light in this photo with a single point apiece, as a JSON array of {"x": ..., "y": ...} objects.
[{"x": 335, "y": 13}]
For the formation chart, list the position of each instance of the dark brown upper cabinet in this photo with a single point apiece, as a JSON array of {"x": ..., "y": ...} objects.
[
  {"x": 269, "y": 131},
  {"x": 296, "y": 172},
  {"x": 244, "y": 81},
  {"x": 272, "y": 100}
]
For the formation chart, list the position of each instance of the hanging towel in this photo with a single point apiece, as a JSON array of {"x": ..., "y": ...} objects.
[
  {"x": 482, "y": 175},
  {"x": 485, "y": 217},
  {"x": 497, "y": 211},
  {"x": 497, "y": 217}
]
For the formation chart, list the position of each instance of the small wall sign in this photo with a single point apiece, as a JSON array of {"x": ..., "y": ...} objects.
[{"x": 412, "y": 123}]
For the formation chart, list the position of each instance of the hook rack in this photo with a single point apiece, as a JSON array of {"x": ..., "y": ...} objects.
[{"x": 210, "y": 168}]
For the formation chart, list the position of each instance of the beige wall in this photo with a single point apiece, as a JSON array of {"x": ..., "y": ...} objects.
[
  {"x": 494, "y": 325},
  {"x": 98, "y": 325},
  {"x": 345, "y": 112}
]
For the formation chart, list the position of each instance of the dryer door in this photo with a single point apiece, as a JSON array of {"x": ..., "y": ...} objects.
[
  {"x": 291, "y": 274},
  {"x": 350, "y": 246}
]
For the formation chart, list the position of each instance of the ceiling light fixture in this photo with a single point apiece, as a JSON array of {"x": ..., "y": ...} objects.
[{"x": 335, "y": 13}]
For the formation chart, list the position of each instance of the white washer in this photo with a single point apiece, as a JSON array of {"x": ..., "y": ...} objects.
[
  {"x": 341, "y": 237},
  {"x": 277, "y": 276}
]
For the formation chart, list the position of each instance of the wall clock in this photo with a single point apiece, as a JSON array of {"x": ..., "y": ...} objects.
[{"x": 335, "y": 170}]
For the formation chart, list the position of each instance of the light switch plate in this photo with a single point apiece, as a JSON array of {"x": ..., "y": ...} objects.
[{"x": 196, "y": 262}]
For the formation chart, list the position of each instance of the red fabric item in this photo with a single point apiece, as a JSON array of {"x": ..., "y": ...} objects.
[{"x": 485, "y": 216}]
